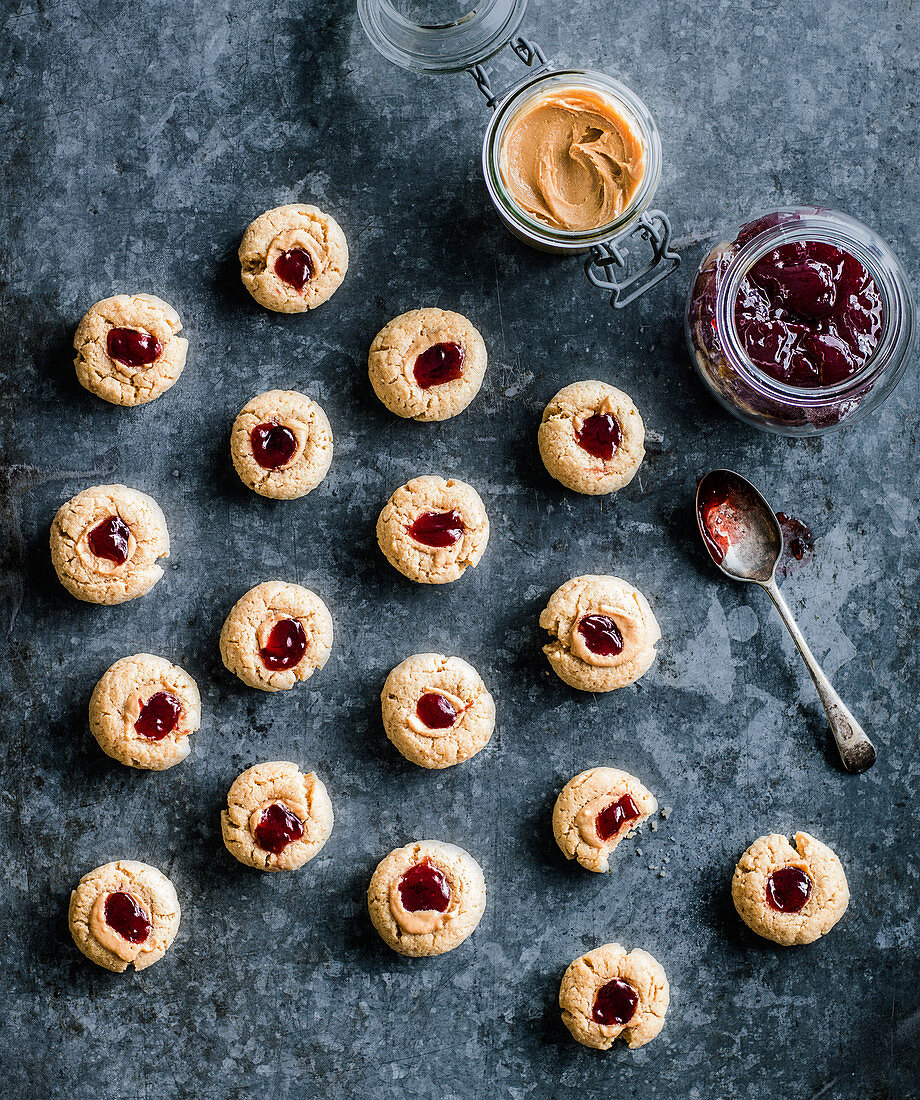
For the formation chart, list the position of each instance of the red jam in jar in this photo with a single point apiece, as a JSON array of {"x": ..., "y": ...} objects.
[
  {"x": 788, "y": 889},
  {"x": 295, "y": 267},
  {"x": 159, "y": 716},
  {"x": 615, "y": 1003},
  {"x": 125, "y": 916},
  {"x": 435, "y": 711},
  {"x": 277, "y": 828},
  {"x": 800, "y": 320},
  {"x": 439, "y": 364},
  {"x": 273, "y": 444},
  {"x": 287, "y": 643},
  {"x": 133, "y": 347},
  {"x": 110, "y": 540},
  {"x": 600, "y": 435},
  {"x": 438, "y": 528},
  {"x": 424, "y": 886}
]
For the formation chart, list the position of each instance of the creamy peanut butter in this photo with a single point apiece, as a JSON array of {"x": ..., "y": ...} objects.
[{"x": 572, "y": 159}]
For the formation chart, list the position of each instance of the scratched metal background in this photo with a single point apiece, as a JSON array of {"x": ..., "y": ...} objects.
[{"x": 138, "y": 142}]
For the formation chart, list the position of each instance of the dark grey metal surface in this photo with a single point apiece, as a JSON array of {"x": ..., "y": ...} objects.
[{"x": 139, "y": 141}]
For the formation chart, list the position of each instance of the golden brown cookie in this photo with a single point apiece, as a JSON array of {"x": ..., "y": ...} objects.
[
  {"x": 426, "y": 898},
  {"x": 277, "y": 818},
  {"x": 432, "y": 529},
  {"x": 143, "y": 711},
  {"x": 595, "y": 811},
  {"x": 790, "y": 895},
  {"x": 604, "y": 633},
  {"x": 436, "y": 710},
  {"x": 427, "y": 364},
  {"x": 106, "y": 542},
  {"x": 608, "y": 992},
  {"x": 281, "y": 444},
  {"x": 592, "y": 438},
  {"x": 124, "y": 914},
  {"x": 293, "y": 258},
  {"x": 128, "y": 348},
  {"x": 276, "y": 635}
]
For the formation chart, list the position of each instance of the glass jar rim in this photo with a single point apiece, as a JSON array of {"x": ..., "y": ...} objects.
[
  {"x": 515, "y": 99},
  {"x": 828, "y": 226}
]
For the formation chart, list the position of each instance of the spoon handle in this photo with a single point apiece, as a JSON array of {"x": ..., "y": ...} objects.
[{"x": 856, "y": 750}]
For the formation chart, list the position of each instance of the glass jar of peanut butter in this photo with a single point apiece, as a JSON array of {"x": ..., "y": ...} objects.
[{"x": 571, "y": 158}]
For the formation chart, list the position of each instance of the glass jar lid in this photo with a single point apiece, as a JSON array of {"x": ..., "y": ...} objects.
[{"x": 439, "y": 36}]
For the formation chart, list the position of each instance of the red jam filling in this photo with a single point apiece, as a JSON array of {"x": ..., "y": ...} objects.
[
  {"x": 613, "y": 817},
  {"x": 295, "y": 267},
  {"x": 126, "y": 917},
  {"x": 798, "y": 544},
  {"x": 277, "y": 828},
  {"x": 436, "y": 712},
  {"x": 809, "y": 314},
  {"x": 159, "y": 716},
  {"x": 424, "y": 886},
  {"x": 438, "y": 528},
  {"x": 287, "y": 643},
  {"x": 439, "y": 364},
  {"x": 110, "y": 539},
  {"x": 133, "y": 347},
  {"x": 615, "y": 1003},
  {"x": 601, "y": 634},
  {"x": 600, "y": 436},
  {"x": 273, "y": 444},
  {"x": 788, "y": 889}
]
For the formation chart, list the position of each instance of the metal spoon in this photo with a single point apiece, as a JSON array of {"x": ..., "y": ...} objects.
[{"x": 745, "y": 541}]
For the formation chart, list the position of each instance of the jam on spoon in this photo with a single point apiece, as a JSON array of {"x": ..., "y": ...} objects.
[
  {"x": 273, "y": 444},
  {"x": 613, "y": 817},
  {"x": 615, "y": 1003},
  {"x": 601, "y": 634},
  {"x": 277, "y": 828},
  {"x": 424, "y": 886},
  {"x": 436, "y": 711},
  {"x": 788, "y": 889},
  {"x": 125, "y": 916},
  {"x": 600, "y": 436},
  {"x": 439, "y": 364},
  {"x": 110, "y": 539},
  {"x": 159, "y": 716},
  {"x": 295, "y": 267},
  {"x": 287, "y": 643},
  {"x": 438, "y": 528},
  {"x": 133, "y": 347}
]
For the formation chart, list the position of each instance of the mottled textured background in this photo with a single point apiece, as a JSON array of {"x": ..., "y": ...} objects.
[{"x": 138, "y": 142}]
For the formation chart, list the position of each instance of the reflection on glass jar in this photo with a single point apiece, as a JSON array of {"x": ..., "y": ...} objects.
[{"x": 800, "y": 320}]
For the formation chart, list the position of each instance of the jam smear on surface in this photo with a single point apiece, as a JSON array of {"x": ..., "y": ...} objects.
[
  {"x": 809, "y": 314},
  {"x": 438, "y": 528},
  {"x": 600, "y": 435},
  {"x": 287, "y": 643},
  {"x": 613, "y": 817},
  {"x": 601, "y": 634},
  {"x": 126, "y": 917},
  {"x": 424, "y": 886},
  {"x": 798, "y": 544},
  {"x": 439, "y": 364},
  {"x": 788, "y": 889},
  {"x": 133, "y": 347},
  {"x": 615, "y": 1003},
  {"x": 273, "y": 444},
  {"x": 437, "y": 712},
  {"x": 277, "y": 828},
  {"x": 295, "y": 267},
  {"x": 110, "y": 539},
  {"x": 159, "y": 716}
]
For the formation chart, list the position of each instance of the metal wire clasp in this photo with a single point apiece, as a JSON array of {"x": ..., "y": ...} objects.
[
  {"x": 600, "y": 267},
  {"x": 528, "y": 52}
]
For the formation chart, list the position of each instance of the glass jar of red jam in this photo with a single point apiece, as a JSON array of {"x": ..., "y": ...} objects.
[{"x": 800, "y": 321}]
